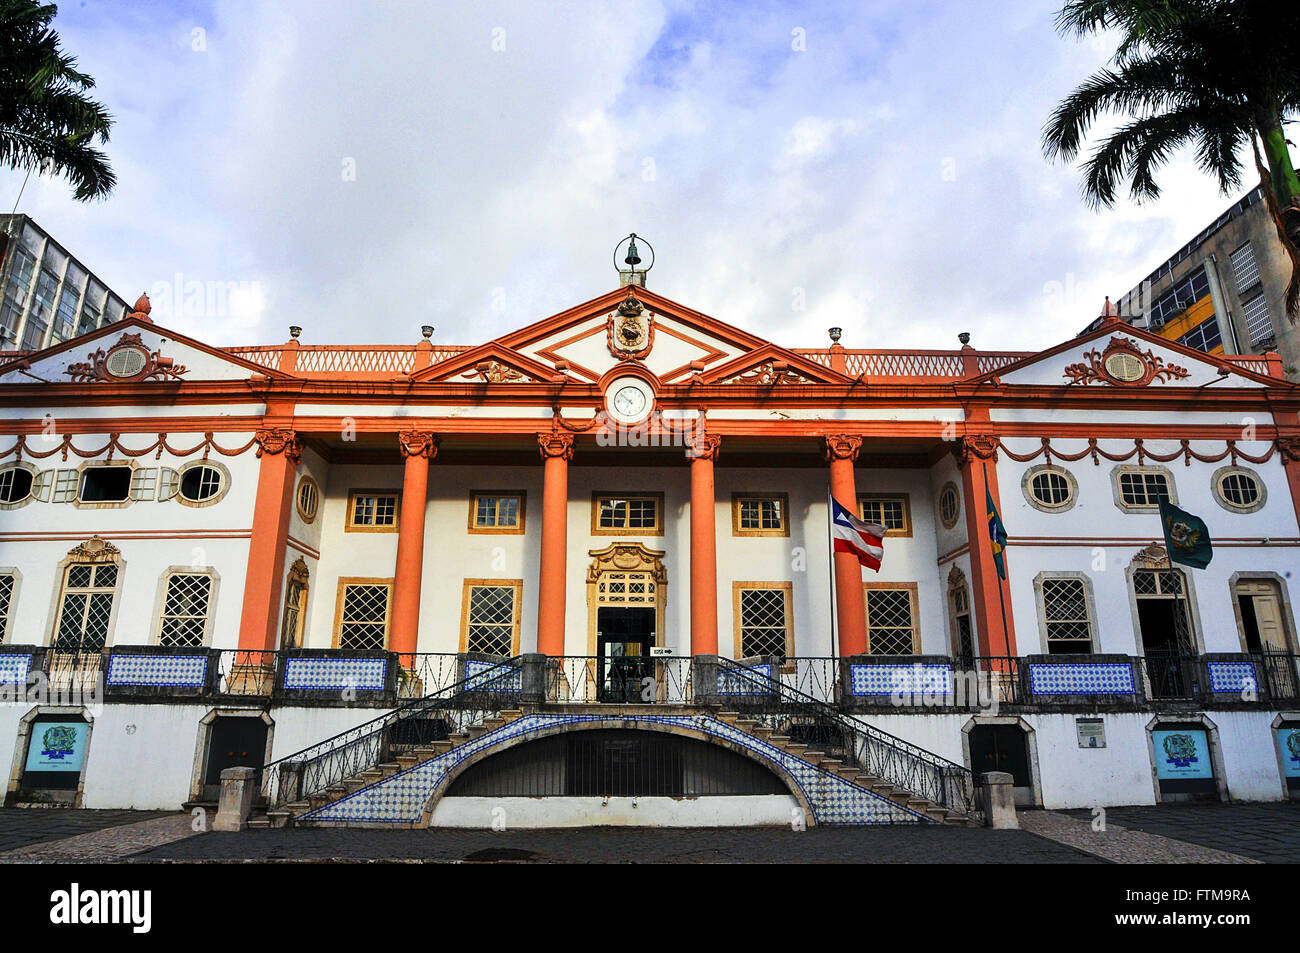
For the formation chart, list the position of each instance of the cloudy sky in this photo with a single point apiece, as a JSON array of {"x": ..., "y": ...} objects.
[{"x": 361, "y": 169}]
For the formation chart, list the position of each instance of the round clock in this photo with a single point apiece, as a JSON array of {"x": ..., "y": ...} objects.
[{"x": 628, "y": 400}]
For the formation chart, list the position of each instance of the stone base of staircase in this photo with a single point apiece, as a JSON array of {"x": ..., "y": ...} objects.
[{"x": 848, "y": 795}]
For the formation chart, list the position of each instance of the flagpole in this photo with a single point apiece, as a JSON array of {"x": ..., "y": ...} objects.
[
  {"x": 1002, "y": 603},
  {"x": 830, "y": 569}
]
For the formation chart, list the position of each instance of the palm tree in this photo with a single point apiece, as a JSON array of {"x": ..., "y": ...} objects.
[
  {"x": 1213, "y": 74},
  {"x": 47, "y": 122}
]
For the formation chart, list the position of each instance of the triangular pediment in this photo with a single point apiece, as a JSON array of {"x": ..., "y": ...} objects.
[
  {"x": 133, "y": 350},
  {"x": 491, "y": 363},
  {"x": 1119, "y": 357},
  {"x": 772, "y": 365},
  {"x": 670, "y": 340}
]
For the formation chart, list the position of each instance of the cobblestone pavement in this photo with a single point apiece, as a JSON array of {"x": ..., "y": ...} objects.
[
  {"x": 1264, "y": 832},
  {"x": 884, "y": 844},
  {"x": 21, "y": 826},
  {"x": 1120, "y": 845},
  {"x": 107, "y": 844}
]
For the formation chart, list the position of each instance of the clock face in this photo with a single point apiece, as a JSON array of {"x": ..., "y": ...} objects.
[{"x": 629, "y": 400}]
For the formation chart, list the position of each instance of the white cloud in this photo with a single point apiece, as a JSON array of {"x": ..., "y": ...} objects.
[{"x": 891, "y": 169}]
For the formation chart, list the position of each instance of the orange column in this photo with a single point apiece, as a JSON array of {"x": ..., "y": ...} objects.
[
  {"x": 704, "y": 547},
  {"x": 279, "y": 451},
  {"x": 975, "y": 457},
  {"x": 850, "y": 609},
  {"x": 557, "y": 451},
  {"x": 418, "y": 447},
  {"x": 1288, "y": 447}
]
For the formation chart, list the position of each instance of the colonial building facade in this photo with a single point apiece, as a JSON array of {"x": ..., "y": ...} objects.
[{"x": 585, "y": 569}]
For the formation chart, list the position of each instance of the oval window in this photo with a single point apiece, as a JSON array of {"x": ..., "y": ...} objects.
[
  {"x": 15, "y": 485},
  {"x": 1125, "y": 367},
  {"x": 949, "y": 505},
  {"x": 200, "y": 484},
  {"x": 1239, "y": 488},
  {"x": 1050, "y": 488},
  {"x": 126, "y": 362},
  {"x": 308, "y": 499}
]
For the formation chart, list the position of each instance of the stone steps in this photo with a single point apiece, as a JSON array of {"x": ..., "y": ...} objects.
[{"x": 934, "y": 813}]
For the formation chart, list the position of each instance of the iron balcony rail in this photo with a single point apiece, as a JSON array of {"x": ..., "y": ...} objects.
[
  {"x": 877, "y": 753},
  {"x": 435, "y": 717},
  {"x": 586, "y": 679}
]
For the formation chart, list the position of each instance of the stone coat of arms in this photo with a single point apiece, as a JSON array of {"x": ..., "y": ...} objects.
[{"x": 630, "y": 330}]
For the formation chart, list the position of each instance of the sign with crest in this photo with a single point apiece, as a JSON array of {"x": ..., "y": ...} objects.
[{"x": 631, "y": 330}]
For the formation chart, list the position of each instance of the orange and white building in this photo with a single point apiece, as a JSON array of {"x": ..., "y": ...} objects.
[{"x": 272, "y": 555}]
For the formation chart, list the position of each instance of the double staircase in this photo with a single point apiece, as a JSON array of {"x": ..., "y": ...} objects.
[{"x": 384, "y": 773}]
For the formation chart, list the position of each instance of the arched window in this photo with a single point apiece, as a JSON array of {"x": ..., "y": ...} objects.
[
  {"x": 959, "y": 616},
  {"x": 88, "y": 590},
  {"x": 295, "y": 606}
]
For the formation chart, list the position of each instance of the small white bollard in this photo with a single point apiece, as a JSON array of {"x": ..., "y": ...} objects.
[
  {"x": 236, "y": 804},
  {"x": 999, "y": 800}
]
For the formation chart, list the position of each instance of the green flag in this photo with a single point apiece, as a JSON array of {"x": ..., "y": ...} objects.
[{"x": 1186, "y": 536}]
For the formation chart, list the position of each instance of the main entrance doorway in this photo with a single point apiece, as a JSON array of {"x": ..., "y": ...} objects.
[
  {"x": 624, "y": 635},
  {"x": 626, "y": 584}
]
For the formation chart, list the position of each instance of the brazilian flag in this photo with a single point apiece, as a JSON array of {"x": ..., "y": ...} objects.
[
  {"x": 997, "y": 534},
  {"x": 1186, "y": 536}
]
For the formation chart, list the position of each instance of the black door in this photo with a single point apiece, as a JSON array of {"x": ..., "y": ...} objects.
[
  {"x": 1001, "y": 748},
  {"x": 234, "y": 743},
  {"x": 623, "y": 640}
]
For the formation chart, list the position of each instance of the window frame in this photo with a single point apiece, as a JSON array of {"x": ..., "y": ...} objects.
[
  {"x": 782, "y": 499},
  {"x": 7, "y": 616},
  {"x": 180, "y": 480},
  {"x": 1117, "y": 472},
  {"x": 343, "y": 583},
  {"x": 903, "y": 533},
  {"x": 298, "y": 572},
  {"x": 915, "y": 610},
  {"x": 102, "y": 504},
  {"x": 350, "y": 527},
  {"x": 1089, "y": 604},
  {"x": 1216, "y": 489},
  {"x": 1246, "y": 578},
  {"x": 61, "y": 591},
  {"x": 938, "y": 505},
  {"x": 31, "y": 496},
  {"x": 160, "y": 603},
  {"x": 1072, "y": 485},
  {"x": 472, "y": 521},
  {"x": 305, "y": 482},
  {"x": 738, "y": 626},
  {"x": 467, "y": 589},
  {"x": 598, "y": 530}
]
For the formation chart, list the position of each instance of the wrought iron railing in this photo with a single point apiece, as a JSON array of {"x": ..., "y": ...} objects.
[
  {"x": 999, "y": 678},
  {"x": 244, "y": 673},
  {"x": 1281, "y": 672},
  {"x": 586, "y": 679},
  {"x": 426, "y": 673},
  {"x": 422, "y": 721},
  {"x": 877, "y": 753},
  {"x": 74, "y": 674},
  {"x": 1169, "y": 676},
  {"x": 815, "y": 676}
]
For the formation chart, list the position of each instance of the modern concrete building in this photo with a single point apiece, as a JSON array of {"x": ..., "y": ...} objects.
[
  {"x": 1223, "y": 291},
  {"x": 48, "y": 295}
]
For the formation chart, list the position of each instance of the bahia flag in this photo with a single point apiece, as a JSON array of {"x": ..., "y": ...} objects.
[
  {"x": 997, "y": 534},
  {"x": 852, "y": 535},
  {"x": 1186, "y": 536}
]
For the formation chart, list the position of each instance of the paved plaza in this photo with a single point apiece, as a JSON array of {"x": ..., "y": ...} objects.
[{"x": 1250, "y": 833}]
